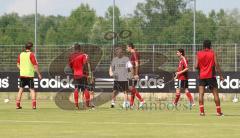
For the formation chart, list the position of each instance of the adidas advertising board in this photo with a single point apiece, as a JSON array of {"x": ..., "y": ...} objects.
[{"x": 9, "y": 82}]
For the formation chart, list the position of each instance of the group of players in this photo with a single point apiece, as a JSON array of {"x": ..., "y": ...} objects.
[
  {"x": 125, "y": 72},
  {"x": 207, "y": 65},
  {"x": 80, "y": 65}
]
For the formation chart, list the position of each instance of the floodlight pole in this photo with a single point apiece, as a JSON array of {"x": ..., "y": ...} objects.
[
  {"x": 113, "y": 20},
  {"x": 194, "y": 34},
  {"x": 35, "y": 35}
]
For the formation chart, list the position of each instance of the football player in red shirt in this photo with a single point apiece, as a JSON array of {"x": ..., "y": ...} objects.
[
  {"x": 135, "y": 60},
  {"x": 77, "y": 61},
  {"x": 182, "y": 76},
  {"x": 206, "y": 63}
]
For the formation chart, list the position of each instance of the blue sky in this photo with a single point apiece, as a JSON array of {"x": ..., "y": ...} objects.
[{"x": 64, "y": 7}]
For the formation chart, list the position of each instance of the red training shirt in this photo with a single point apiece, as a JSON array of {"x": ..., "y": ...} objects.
[
  {"x": 206, "y": 64},
  {"x": 183, "y": 63},
  {"x": 76, "y": 62},
  {"x": 135, "y": 57}
]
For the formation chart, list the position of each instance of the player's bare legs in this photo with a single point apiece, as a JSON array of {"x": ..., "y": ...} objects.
[
  {"x": 19, "y": 96},
  {"x": 137, "y": 94},
  {"x": 114, "y": 94},
  {"x": 132, "y": 96},
  {"x": 178, "y": 94},
  {"x": 126, "y": 103},
  {"x": 134, "y": 93},
  {"x": 76, "y": 97},
  {"x": 33, "y": 95},
  {"x": 86, "y": 98},
  {"x": 189, "y": 96},
  {"x": 201, "y": 100},
  {"x": 217, "y": 101},
  {"x": 91, "y": 99}
]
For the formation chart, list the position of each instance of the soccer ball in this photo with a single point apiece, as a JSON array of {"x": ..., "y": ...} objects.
[
  {"x": 6, "y": 100},
  {"x": 126, "y": 104},
  {"x": 235, "y": 100}
]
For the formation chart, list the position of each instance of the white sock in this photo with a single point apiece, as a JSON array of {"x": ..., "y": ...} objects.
[{"x": 113, "y": 102}]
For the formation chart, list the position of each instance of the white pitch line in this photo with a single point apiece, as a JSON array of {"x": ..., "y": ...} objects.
[
  {"x": 22, "y": 121},
  {"x": 121, "y": 123},
  {"x": 140, "y": 123},
  {"x": 161, "y": 124}
]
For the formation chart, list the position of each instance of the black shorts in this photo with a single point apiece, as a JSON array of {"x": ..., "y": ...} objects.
[
  {"x": 80, "y": 83},
  {"x": 27, "y": 82},
  {"x": 120, "y": 86},
  {"x": 211, "y": 83},
  {"x": 133, "y": 82},
  {"x": 182, "y": 84}
]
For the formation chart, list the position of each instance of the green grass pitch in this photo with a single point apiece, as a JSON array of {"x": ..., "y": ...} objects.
[{"x": 48, "y": 121}]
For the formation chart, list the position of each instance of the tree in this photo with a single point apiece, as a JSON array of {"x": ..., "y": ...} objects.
[
  {"x": 157, "y": 15},
  {"x": 12, "y": 28},
  {"x": 5, "y": 40},
  {"x": 77, "y": 27},
  {"x": 51, "y": 37},
  {"x": 227, "y": 26}
]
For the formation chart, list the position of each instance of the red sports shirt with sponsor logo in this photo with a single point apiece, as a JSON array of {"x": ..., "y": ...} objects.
[
  {"x": 76, "y": 62},
  {"x": 135, "y": 57},
  {"x": 183, "y": 63},
  {"x": 206, "y": 64}
]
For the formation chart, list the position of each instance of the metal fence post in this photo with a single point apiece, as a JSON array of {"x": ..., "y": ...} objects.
[
  {"x": 235, "y": 48},
  {"x": 153, "y": 58},
  {"x": 235, "y": 57}
]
